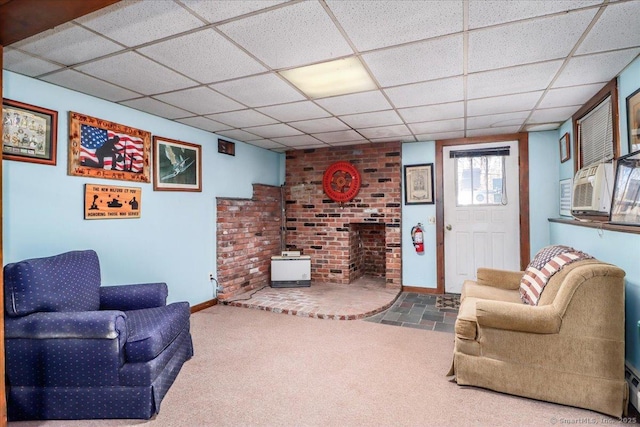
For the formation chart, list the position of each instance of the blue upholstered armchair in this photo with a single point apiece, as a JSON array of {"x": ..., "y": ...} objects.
[{"x": 76, "y": 350}]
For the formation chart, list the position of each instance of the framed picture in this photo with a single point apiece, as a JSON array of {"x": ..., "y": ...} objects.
[
  {"x": 418, "y": 184},
  {"x": 625, "y": 204},
  {"x": 102, "y": 149},
  {"x": 565, "y": 148},
  {"x": 177, "y": 165},
  {"x": 111, "y": 202},
  {"x": 226, "y": 147},
  {"x": 633, "y": 118},
  {"x": 29, "y": 133}
]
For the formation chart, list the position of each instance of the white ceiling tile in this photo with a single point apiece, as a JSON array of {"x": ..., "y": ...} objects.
[
  {"x": 297, "y": 140},
  {"x": 492, "y": 131},
  {"x": 385, "y": 131},
  {"x": 136, "y": 73},
  {"x": 153, "y": 106},
  {"x": 273, "y": 131},
  {"x": 429, "y": 60},
  {"x": 440, "y": 135},
  {"x": 433, "y": 92},
  {"x": 259, "y": 91},
  {"x": 329, "y": 124},
  {"x": 497, "y": 120},
  {"x": 527, "y": 42},
  {"x": 200, "y": 100},
  {"x": 19, "y": 62},
  {"x": 574, "y": 95},
  {"x": 362, "y": 102},
  {"x": 134, "y": 23},
  {"x": 82, "y": 83},
  {"x": 303, "y": 110},
  {"x": 483, "y": 13},
  {"x": 550, "y": 115},
  {"x": 199, "y": 56},
  {"x": 526, "y": 78},
  {"x": 238, "y": 135},
  {"x": 67, "y": 44},
  {"x": 267, "y": 143},
  {"x": 220, "y": 10},
  {"x": 596, "y": 68},
  {"x": 341, "y": 136},
  {"x": 298, "y": 34},
  {"x": 503, "y": 104},
  {"x": 203, "y": 123},
  {"x": 242, "y": 118},
  {"x": 367, "y": 120},
  {"x": 616, "y": 28},
  {"x": 450, "y": 110},
  {"x": 451, "y": 125},
  {"x": 376, "y": 24}
]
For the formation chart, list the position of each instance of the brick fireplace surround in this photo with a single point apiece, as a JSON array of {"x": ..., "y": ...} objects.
[{"x": 345, "y": 241}]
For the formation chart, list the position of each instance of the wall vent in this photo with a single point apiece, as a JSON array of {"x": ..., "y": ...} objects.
[{"x": 634, "y": 385}]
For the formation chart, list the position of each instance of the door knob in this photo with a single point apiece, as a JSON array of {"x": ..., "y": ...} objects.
[{"x": 448, "y": 227}]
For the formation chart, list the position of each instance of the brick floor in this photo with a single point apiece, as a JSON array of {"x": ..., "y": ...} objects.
[{"x": 366, "y": 298}]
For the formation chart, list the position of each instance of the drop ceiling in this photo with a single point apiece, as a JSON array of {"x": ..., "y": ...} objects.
[{"x": 442, "y": 69}]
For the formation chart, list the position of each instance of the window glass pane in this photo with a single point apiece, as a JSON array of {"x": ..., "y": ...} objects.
[
  {"x": 479, "y": 180},
  {"x": 463, "y": 181}
]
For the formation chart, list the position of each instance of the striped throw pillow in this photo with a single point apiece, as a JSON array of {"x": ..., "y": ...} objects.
[{"x": 547, "y": 262}]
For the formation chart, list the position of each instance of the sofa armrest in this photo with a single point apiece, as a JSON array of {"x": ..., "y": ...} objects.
[
  {"x": 69, "y": 324},
  {"x": 518, "y": 317},
  {"x": 503, "y": 279},
  {"x": 133, "y": 297}
]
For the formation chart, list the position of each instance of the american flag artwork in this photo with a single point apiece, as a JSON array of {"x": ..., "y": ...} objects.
[{"x": 105, "y": 149}]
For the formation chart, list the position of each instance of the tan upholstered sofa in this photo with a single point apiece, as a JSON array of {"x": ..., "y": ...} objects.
[{"x": 568, "y": 349}]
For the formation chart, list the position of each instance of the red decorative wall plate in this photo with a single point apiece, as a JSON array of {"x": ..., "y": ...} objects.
[{"x": 341, "y": 181}]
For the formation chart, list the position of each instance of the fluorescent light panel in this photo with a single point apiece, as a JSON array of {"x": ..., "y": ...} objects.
[{"x": 332, "y": 78}]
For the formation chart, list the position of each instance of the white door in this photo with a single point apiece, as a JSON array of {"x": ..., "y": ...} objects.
[{"x": 481, "y": 210}]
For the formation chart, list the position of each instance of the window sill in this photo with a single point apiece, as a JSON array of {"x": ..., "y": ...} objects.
[{"x": 632, "y": 229}]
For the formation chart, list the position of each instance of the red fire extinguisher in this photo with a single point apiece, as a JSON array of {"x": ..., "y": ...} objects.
[{"x": 418, "y": 238}]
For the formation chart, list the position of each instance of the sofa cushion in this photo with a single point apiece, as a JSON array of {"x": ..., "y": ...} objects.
[
  {"x": 65, "y": 282},
  {"x": 151, "y": 330},
  {"x": 545, "y": 264},
  {"x": 476, "y": 290}
]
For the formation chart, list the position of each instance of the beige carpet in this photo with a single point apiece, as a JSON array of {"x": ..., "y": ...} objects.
[{"x": 258, "y": 368}]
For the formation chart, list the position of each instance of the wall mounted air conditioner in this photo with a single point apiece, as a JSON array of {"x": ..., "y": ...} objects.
[{"x": 592, "y": 190}]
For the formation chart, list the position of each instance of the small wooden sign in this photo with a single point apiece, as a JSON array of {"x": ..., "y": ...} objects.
[
  {"x": 226, "y": 147},
  {"x": 110, "y": 202}
]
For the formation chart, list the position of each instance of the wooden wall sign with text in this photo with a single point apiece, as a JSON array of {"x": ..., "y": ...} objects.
[{"x": 109, "y": 202}]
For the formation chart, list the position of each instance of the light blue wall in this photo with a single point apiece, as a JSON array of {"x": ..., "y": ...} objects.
[
  {"x": 174, "y": 240},
  {"x": 621, "y": 249},
  {"x": 544, "y": 186},
  {"x": 418, "y": 270},
  {"x": 628, "y": 82}
]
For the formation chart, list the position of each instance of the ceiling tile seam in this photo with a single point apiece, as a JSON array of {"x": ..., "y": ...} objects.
[
  {"x": 565, "y": 63},
  {"x": 540, "y": 17},
  {"x": 192, "y": 12},
  {"x": 356, "y": 53},
  {"x": 465, "y": 61},
  {"x": 244, "y": 15}
]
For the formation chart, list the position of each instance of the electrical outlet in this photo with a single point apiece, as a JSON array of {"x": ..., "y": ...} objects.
[{"x": 211, "y": 277}]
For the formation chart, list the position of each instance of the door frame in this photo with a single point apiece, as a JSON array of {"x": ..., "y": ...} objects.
[{"x": 523, "y": 167}]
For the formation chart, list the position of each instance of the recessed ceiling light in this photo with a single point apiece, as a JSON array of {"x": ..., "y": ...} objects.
[{"x": 331, "y": 78}]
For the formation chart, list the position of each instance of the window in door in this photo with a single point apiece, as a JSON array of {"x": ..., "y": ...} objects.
[{"x": 480, "y": 176}]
